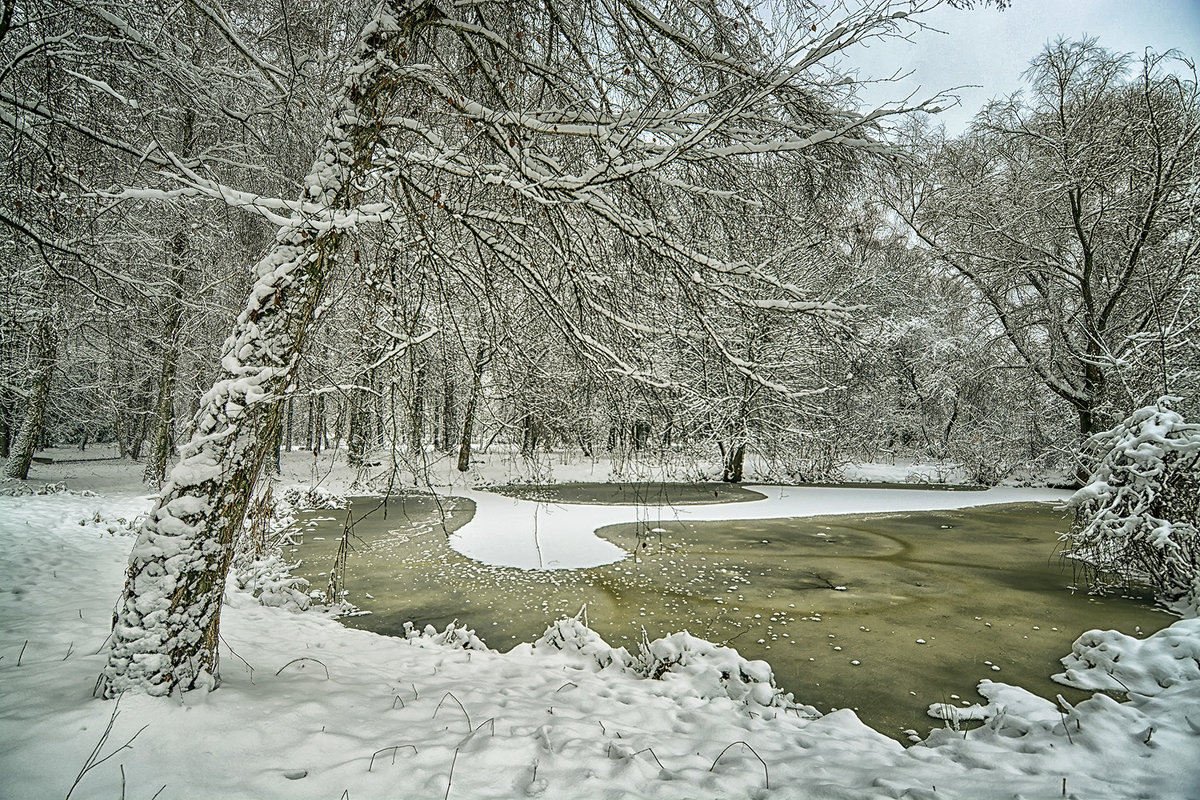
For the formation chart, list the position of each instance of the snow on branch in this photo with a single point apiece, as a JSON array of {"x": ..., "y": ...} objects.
[{"x": 1138, "y": 516}]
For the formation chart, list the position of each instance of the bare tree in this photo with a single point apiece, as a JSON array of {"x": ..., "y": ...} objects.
[
  {"x": 533, "y": 133},
  {"x": 1072, "y": 213}
]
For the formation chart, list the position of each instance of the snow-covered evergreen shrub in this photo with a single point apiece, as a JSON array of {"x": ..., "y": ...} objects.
[{"x": 1138, "y": 517}]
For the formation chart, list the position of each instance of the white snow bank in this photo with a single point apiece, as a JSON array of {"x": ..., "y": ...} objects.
[
  {"x": 308, "y": 708},
  {"x": 1112, "y": 661},
  {"x": 529, "y": 534}
]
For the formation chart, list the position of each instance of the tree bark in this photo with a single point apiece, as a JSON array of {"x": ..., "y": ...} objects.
[
  {"x": 735, "y": 459},
  {"x": 30, "y": 433},
  {"x": 164, "y": 418},
  {"x": 464, "y": 443},
  {"x": 447, "y": 411},
  {"x": 165, "y": 630},
  {"x": 416, "y": 433}
]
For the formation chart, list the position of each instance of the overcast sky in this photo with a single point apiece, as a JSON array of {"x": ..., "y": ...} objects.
[{"x": 992, "y": 48}]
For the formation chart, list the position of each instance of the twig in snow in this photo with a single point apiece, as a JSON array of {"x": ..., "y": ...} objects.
[
  {"x": 394, "y": 748},
  {"x": 103, "y": 645},
  {"x": 491, "y": 721},
  {"x": 395, "y": 699},
  {"x": 345, "y": 795},
  {"x": 244, "y": 661},
  {"x": 565, "y": 685},
  {"x": 766, "y": 772},
  {"x": 460, "y": 705},
  {"x": 22, "y": 653},
  {"x": 450, "y": 779},
  {"x": 305, "y": 658},
  {"x": 652, "y": 755},
  {"x": 1065, "y": 728},
  {"x": 70, "y": 649},
  {"x": 93, "y": 760}
]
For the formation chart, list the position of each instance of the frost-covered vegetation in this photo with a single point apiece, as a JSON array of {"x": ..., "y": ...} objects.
[
  {"x": 668, "y": 232},
  {"x": 1138, "y": 517}
]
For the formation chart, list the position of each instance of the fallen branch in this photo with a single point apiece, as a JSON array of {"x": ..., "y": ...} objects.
[{"x": 394, "y": 748}]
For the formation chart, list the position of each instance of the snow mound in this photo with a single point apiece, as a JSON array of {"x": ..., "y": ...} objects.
[
  {"x": 453, "y": 637},
  {"x": 1112, "y": 661},
  {"x": 699, "y": 667}
]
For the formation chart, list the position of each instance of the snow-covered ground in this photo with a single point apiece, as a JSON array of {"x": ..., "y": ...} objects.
[{"x": 308, "y": 708}]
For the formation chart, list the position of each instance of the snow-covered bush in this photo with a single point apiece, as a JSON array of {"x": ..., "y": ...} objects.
[
  {"x": 269, "y": 579},
  {"x": 571, "y": 635},
  {"x": 295, "y": 497},
  {"x": 1138, "y": 517},
  {"x": 713, "y": 670},
  {"x": 454, "y": 636},
  {"x": 710, "y": 670}
]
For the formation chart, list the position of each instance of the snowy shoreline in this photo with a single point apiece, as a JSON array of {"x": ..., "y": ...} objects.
[
  {"x": 308, "y": 708},
  {"x": 500, "y": 534}
]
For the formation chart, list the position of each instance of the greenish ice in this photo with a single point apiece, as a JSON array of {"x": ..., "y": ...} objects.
[{"x": 881, "y": 613}]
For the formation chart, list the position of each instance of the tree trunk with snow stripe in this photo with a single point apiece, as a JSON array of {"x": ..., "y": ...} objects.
[
  {"x": 29, "y": 434},
  {"x": 166, "y": 622}
]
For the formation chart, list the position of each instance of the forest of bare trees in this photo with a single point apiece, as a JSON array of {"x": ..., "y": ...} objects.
[{"x": 427, "y": 229}]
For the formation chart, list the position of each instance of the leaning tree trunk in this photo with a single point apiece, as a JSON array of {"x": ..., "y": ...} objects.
[
  {"x": 30, "y": 433},
  {"x": 166, "y": 622}
]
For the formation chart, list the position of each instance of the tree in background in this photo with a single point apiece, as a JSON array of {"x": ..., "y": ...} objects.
[
  {"x": 1071, "y": 212},
  {"x": 533, "y": 134}
]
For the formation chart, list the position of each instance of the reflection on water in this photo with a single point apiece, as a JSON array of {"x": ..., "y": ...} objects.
[{"x": 882, "y": 613}]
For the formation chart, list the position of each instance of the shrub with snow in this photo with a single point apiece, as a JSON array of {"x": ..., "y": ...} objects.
[
  {"x": 453, "y": 636},
  {"x": 1138, "y": 517},
  {"x": 710, "y": 670},
  {"x": 570, "y": 635},
  {"x": 269, "y": 579},
  {"x": 296, "y": 497}
]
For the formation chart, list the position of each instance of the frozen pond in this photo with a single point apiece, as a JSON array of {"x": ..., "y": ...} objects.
[{"x": 884, "y": 613}]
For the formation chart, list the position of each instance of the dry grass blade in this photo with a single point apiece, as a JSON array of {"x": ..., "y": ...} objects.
[{"x": 766, "y": 773}]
